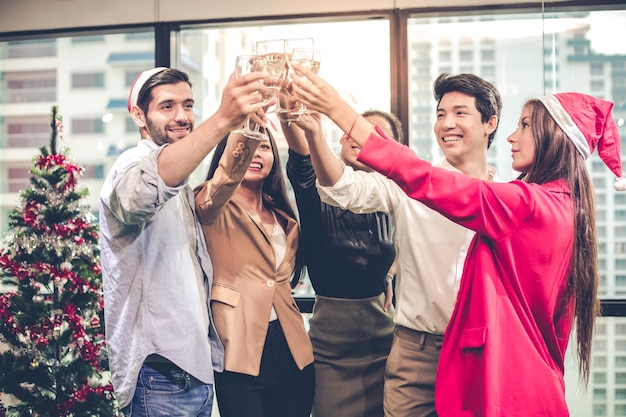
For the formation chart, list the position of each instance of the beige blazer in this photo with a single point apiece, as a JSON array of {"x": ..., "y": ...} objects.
[{"x": 246, "y": 282}]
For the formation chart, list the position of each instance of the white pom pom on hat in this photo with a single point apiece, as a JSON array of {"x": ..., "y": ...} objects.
[
  {"x": 138, "y": 83},
  {"x": 588, "y": 122}
]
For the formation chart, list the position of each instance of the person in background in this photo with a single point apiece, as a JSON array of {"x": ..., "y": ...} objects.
[
  {"x": 431, "y": 247},
  {"x": 156, "y": 272},
  {"x": 520, "y": 298},
  {"x": 348, "y": 257},
  {"x": 253, "y": 238}
]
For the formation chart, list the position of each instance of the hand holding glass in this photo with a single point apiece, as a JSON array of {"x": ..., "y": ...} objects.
[
  {"x": 289, "y": 45},
  {"x": 250, "y": 63},
  {"x": 310, "y": 59}
]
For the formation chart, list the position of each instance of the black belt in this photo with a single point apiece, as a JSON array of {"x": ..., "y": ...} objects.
[
  {"x": 159, "y": 363},
  {"x": 419, "y": 337}
]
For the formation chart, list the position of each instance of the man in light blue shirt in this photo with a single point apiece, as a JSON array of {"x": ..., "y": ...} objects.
[{"x": 156, "y": 270}]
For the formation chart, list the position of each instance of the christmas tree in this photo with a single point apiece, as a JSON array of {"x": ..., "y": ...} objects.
[{"x": 51, "y": 318}]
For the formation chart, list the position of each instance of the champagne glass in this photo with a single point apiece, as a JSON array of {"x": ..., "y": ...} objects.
[
  {"x": 293, "y": 43},
  {"x": 272, "y": 52},
  {"x": 310, "y": 59},
  {"x": 315, "y": 68},
  {"x": 290, "y": 45},
  {"x": 250, "y": 63}
]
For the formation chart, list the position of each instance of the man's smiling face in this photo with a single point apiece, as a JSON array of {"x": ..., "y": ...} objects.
[{"x": 170, "y": 113}]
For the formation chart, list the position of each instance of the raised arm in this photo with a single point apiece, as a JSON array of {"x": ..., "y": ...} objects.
[
  {"x": 306, "y": 136},
  {"x": 178, "y": 161},
  {"x": 294, "y": 136},
  {"x": 318, "y": 95},
  {"x": 213, "y": 195}
]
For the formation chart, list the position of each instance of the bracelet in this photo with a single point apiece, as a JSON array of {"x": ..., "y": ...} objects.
[
  {"x": 390, "y": 276},
  {"x": 353, "y": 123}
]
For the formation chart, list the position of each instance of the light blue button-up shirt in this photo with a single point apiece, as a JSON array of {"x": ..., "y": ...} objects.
[{"x": 156, "y": 272}]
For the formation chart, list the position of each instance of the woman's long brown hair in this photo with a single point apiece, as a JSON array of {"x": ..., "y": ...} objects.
[
  {"x": 556, "y": 157},
  {"x": 274, "y": 195}
]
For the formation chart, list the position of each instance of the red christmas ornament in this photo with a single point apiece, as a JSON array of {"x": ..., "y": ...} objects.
[{"x": 42, "y": 341}]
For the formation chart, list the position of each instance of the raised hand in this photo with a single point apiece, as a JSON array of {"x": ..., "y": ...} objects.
[
  {"x": 310, "y": 123},
  {"x": 241, "y": 96},
  {"x": 312, "y": 91},
  {"x": 315, "y": 93},
  {"x": 245, "y": 66}
]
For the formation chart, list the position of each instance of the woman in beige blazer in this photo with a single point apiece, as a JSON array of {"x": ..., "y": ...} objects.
[{"x": 252, "y": 238}]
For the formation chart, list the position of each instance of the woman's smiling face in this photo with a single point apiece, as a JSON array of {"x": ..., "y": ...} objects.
[{"x": 262, "y": 162}]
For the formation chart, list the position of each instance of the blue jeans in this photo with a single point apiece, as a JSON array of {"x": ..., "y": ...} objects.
[{"x": 169, "y": 392}]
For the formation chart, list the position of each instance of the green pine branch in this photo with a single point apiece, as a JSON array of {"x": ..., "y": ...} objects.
[{"x": 51, "y": 261}]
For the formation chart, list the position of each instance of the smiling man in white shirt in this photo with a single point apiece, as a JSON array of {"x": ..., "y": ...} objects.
[{"x": 431, "y": 249}]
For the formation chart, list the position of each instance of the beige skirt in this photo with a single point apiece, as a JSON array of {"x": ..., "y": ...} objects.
[{"x": 351, "y": 340}]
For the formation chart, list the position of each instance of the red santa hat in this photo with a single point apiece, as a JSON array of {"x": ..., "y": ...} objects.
[
  {"x": 138, "y": 83},
  {"x": 588, "y": 122}
]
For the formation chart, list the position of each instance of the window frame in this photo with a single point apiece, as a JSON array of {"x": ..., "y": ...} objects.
[{"x": 165, "y": 34}]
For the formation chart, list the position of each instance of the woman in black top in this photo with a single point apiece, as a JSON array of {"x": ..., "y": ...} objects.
[{"x": 349, "y": 257}]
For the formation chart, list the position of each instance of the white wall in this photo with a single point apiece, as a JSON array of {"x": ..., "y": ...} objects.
[{"x": 27, "y": 15}]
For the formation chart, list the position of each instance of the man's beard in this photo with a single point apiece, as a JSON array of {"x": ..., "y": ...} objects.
[{"x": 159, "y": 136}]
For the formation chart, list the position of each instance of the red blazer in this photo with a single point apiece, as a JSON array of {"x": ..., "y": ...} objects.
[{"x": 504, "y": 348}]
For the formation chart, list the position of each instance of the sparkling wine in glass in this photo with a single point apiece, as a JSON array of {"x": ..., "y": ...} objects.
[
  {"x": 250, "y": 63},
  {"x": 310, "y": 59},
  {"x": 291, "y": 44},
  {"x": 274, "y": 64}
]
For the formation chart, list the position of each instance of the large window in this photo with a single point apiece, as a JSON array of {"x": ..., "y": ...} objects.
[
  {"x": 360, "y": 69},
  {"x": 525, "y": 53}
]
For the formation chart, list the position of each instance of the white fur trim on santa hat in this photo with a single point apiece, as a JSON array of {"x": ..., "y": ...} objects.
[
  {"x": 620, "y": 184},
  {"x": 564, "y": 120},
  {"x": 138, "y": 83}
]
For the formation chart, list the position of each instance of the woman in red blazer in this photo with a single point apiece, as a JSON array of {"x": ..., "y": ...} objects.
[
  {"x": 252, "y": 238},
  {"x": 531, "y": 270}
]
